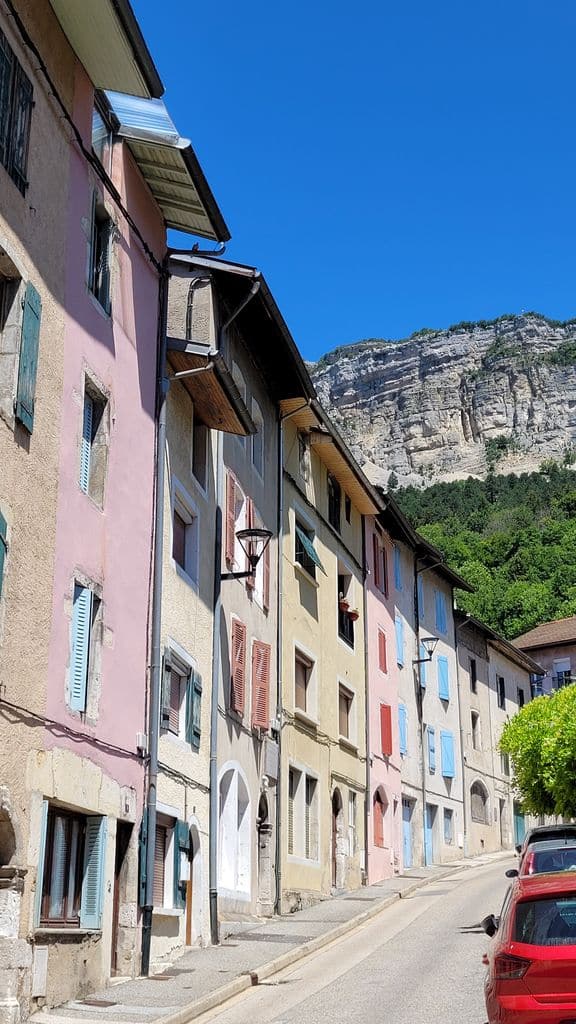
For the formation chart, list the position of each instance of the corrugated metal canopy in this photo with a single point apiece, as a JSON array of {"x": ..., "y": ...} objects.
[
  {"x": 107, "y": 40},
  {"x": 169, "y": 166}
]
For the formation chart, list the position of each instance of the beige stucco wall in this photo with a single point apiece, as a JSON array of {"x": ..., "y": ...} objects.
[{"x": 310, "y": 622}]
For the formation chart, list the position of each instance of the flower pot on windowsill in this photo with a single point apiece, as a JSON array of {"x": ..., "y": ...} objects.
[
  {"x": 343, "y": 605},
  {"x": 354, "y": 614}
]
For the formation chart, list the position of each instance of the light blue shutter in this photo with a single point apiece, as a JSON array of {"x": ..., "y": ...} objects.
[
  {"x": 423, "y": 665},
  {"x": 3, "y": 547},
  {"x": 81, "y": 623},
  {"x": 86, "y": 446},
  {"x": 24, "y": 406},
  {"x": 399, "y": 623},
  {"x": 431, "y": 749},
  {"x": 420, "y": 586},
  {"x": 41, "y": 864},
  {"x": 443, "y": 678},
  {"x": 447, "y": 749},
  {"x": 93, "y": 873},
  {"x": 397, "y": 568},
  {"x": 403, "y": 728},
  {"x": 440, "y": 606}
]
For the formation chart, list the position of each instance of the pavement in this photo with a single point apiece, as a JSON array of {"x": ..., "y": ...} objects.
[{"x": 204, "y": 978}]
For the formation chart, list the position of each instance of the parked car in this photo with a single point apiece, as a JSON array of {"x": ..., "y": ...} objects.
[
  {"x": 531, "y": 961},
  {"x": 547, "y": 857},
  {"x": 543, "y": 834}
]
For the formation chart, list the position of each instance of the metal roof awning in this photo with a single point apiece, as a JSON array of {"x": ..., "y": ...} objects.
[
  {"x": 169, "y": 166},
  {"x": 216, "y": 398},
  {"x": 107, "y": 40},
  {"x": 309, "y": 549}
]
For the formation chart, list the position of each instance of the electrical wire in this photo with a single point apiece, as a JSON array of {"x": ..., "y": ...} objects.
[{"x": 73, "y": 733}]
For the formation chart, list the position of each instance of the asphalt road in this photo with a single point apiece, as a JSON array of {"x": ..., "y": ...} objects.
[{"x": 419, "y": 962}]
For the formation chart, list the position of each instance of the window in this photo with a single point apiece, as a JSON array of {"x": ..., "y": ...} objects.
[
  {"x": 100, "y": 254},
  {"x": 431, "y": 734},
  {"x": 399, "y": 627},
  {"x": 15, "y": 115},
  {"x": 302, "y": 815},
  {"x": 443, "y": 678},
  {"x": 258, "y": 440},
  {"x": 181, "y": 698},
  {"x": 386, "y": 729},
  {"x": 520, "y": 696},
  {"x": 351, "y": 823},
  {"x": 448, "y": 826},
  {"x": 101, "y": 136},
  {"x": 479, "y": 803},
  {"x": 476, "y": 740},
  {"x": 293, "y": 779},
  {"x": 378, "y": 811},
  {"x": 304, "y": 455},
  {"x": 561, "y": 675},
  {"x": 346, "y": 614},
  {"x": 237, "y": 666},
  {"x": 536, "y": 686},
  {"x": 238, "y": 378},
  {"x": 72, "y": 872},
  {"x": 347, "y": 508},
  {"x": 380, "y": 565},
  {"x": 185, "y": 537},
  {"x": 423, "y": 665},
  {"x": 547, "y": 922},
  {"x": 29, "y": 344},
  {"x": 440, "y": 609},
  {"x": 345, "y": 702},
  {"x": 160, "y": 848},
  {"x": 260, "y": 685},
  {"x": 305, "y": 553},
  {"x": 501, "y": 691},
  {"x": 397, "y": 568},
  {"x": 85, "y": 646},
  {"x": 200, "y": 436},
  {"x": 505, "y": 764},
  {"x": 447, "y": 752},
  {"x": 382, "y": 653},
  {"x": 473, "y": 676},
  {"x": 311, "y": 820},
  {"x": 303, "y": 697},
  {"x": 94, "y": 443},
  {"x": 334, "y": 502},
  {"x": 403, "y": 728},
  {"x": 236, "y": 519}
]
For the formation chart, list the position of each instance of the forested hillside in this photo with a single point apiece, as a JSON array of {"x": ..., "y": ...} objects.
[{"x": 512, "y": 537}]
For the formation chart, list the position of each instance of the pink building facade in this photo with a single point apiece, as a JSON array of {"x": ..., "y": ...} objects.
[{"x": 383, "y": 773}]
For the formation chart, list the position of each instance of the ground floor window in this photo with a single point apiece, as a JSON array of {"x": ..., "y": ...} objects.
[
  {"x": 448, "y": 826},
  {"x": 302, "y": 815},
  {"x": 72, "y": 869}
]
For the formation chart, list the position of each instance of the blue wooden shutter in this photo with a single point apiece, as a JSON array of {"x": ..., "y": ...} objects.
[
  {"x": 423, "y": 666},
  {"x": 399, "y": 623},
  {"x": 447, "y": 749},
  {"x": 397, "y": 568},
  {"x": 443, "y": 678},
  {"x": 93, "y": 873},
  {"x": 28, "y": 357},
  {"x": 3, "y": 547},
  {"x": 142, "y": 854},
  {"x": 181, "y": 845},
  {"x": 440, "y": 607},
  {"x": 431, "y": 749},
  {"x": 403, "y": 728},
  {"x": 420, "y": 586},
  {"x": 41, "y": 863},
  {"x": 86, "y": 446},
  {"x": 81, "y": 623}
]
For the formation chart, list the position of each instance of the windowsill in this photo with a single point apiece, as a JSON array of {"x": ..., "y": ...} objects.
[
  {"x": 45, "y": 931},
  {"x": 346, "y": 642},
  {"x": 306, "y": 862},
  {"x": 305, "y": 574},
  {"x": 348, "y": 744},
  {"x": 304, "y": 717},
  {"x": 192, "y": 583},
  {"x": 98, "y": 305},
  {"x": 168, "y": 911},
  {"x": 200, "y": 486}
]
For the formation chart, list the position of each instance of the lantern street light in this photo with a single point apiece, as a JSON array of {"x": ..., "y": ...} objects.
[
  {"x": 253, "y": 542},
  {"x": 429, "y": 644}
]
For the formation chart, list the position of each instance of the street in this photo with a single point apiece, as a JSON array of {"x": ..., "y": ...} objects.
[{"x": 417, "y": 962}]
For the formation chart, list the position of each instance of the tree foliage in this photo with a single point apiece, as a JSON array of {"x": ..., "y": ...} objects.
[
  {"x": 541, "y": 742},
  {"x": 513, "y": 538}
]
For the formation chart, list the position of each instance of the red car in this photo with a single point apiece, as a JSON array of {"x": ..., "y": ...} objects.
[{"x": 531, "y": 977}]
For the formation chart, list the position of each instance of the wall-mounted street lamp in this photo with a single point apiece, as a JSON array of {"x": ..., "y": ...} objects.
[
  {"x": 429, "y": 644},
  {"x": 253, "y": 542}
]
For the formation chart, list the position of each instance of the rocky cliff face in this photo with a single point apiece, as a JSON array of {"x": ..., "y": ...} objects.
[{"x": 448, "y": 404}]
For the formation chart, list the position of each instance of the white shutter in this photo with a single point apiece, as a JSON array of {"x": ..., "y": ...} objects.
[
  {"x": 81, "y": 622},
  {"x": 93, "y": 873},
  {"x": 86, "y": 445}
]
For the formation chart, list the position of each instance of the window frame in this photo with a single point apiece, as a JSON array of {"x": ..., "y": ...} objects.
[
  {"x": 501, "y": 692},
  {"x": 350, "y": 737},
  {"x": 306, "y": 657},
  {"x": 19, "y": 104},
  {"x": 473, "y": 669},
  {"x": 184, "y": 506},
  {"x": 334, "y": 496},
  {"x": 102, "y": 229}
]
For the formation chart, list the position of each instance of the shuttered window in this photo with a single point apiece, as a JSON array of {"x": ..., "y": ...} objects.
[
  {"x": 72, "y": 870},
  {"x": 260, "y": 684},
  {"x": 403, "y": 728},
  {"x": 447, "y": 750},
  {"x": 159, "y": 864},
  {"x": 3, "y": 547},
  {"x": 386, "y": 729},
  {"x": 382, "y": 654},
  {"x": 431, "y": 733},
  {"x": 86, "y": 443},
  {"x": 292, "y": 781},
  {"x": 28, "y": 364},
  {"x": 93, "y": 876},
  {"x": 101, "y": 255},
  {"x": 193, "y": 708},
  {"x": 378, "y": 822},
  {"x": 397, "y": 568},
  {"x": 399, "y": 628},
  {"x": 440, "y": 609},
  {"x": 238, "y": 666},
  {"x": 16, "y": 103},
  {"x": 345, "y": 712},
  {"x": 443, "y": 678},
  {"x": 79, "y": 658},
  {"x": 310, "y": 820},
  {"x": 174, "y": 702}
]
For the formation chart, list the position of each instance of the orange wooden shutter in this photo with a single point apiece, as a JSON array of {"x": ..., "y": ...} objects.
[
  {"x": 382, "y": 659},
  {"x": 230, "y": 518},
  {"x": 266, "y": 578},
  {"x": 250, "y": 580},
  {"x": 377, "y": 563},
  {"x": 260, "y": 684},
  {"x": 238, "y": 659},
  {"x": 386, "y": 728}
]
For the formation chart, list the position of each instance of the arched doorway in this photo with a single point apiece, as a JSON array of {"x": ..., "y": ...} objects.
[
  {"x": 265, "y": 873},
  {"x": 234, "y": 834},
  {"x": 338, "y": 841}
]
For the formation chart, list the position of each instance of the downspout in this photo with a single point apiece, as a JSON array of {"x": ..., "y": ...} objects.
[
  {"x": 367, "y": 797},
  {"x": 462, "y": 754},
  {"x": 279, "y": 666},
  {"x": 213, "y": 815},
  {"x": 156, "y": 658},
  {"x": 420, "y": 704}
]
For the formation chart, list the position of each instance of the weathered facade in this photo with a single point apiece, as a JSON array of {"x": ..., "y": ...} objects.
[{"x": 553, "y": 645}]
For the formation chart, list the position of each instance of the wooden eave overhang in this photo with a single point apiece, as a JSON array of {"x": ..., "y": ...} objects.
[{"x": 216, "y": 398}]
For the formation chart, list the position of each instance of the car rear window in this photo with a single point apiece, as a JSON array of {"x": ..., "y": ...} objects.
[
  {"x": 547, "y": 922},
  {"x": 561, "y": 859}
]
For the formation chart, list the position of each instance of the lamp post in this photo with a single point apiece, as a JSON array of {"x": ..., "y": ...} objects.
[
  {"x": 429, "y": 645},
  {"x": 253, "y": 542}
]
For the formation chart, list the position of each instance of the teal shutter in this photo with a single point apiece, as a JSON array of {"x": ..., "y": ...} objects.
[
  {"x": 399, "y": 624},
  {"x": 41, "y": 864},
  {"x": 93, "y": 874},
  {"x": 81, "y": 623},
  {"x": 423, "y": 666},
  {"x": 28, "y": 357},
  {"x": 443, "y": 678},
  {"x": 3, "y": 547},
  {"x": 181, "y": 845},
  {"x": 166, "y": 684},
  {"x": 403, "y": 728},
  {"x": 420, "y": 586},
  {"x": 193, "y": 708},
  {"x": 86, "y": 446},
  {"x": 142, "y": 854},
  {"x": 397, "y": 568},
  {"x": 431, "y": 749},
  {"x": 447, "y": 750}
]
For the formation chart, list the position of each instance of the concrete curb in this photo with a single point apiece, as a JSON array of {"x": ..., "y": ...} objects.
[{"x": 250, "y": 978}]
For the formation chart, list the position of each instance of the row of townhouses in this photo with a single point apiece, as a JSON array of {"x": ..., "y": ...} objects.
[{"x": 232, "y": 680}]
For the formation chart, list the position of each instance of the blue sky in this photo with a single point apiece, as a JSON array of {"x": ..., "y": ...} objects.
[{"x": 388, "y": 166}]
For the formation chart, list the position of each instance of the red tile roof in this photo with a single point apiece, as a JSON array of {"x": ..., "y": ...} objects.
[{"x": 561, "y": 631}]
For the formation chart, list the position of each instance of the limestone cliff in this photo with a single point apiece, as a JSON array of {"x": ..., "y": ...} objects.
[{"x": 443, "y": 405}]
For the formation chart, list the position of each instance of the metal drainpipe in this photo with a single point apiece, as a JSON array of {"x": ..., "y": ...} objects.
[
  {"x": 279, "y": 703},
  {"x": 367, "y": 701},
  {"x": 461, "y": 723},
  {"x": 213, "y": 813},
  {"x": 420, "y": 705},
  {"x": 156, "y": 659}
]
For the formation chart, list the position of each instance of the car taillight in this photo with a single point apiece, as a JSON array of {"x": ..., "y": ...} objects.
[
  {"x": 529, "y": 865},
  {"x": 507, "y": 967}
]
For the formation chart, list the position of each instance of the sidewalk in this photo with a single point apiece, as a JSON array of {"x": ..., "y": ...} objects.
[{"x": 204, "y": 978}]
